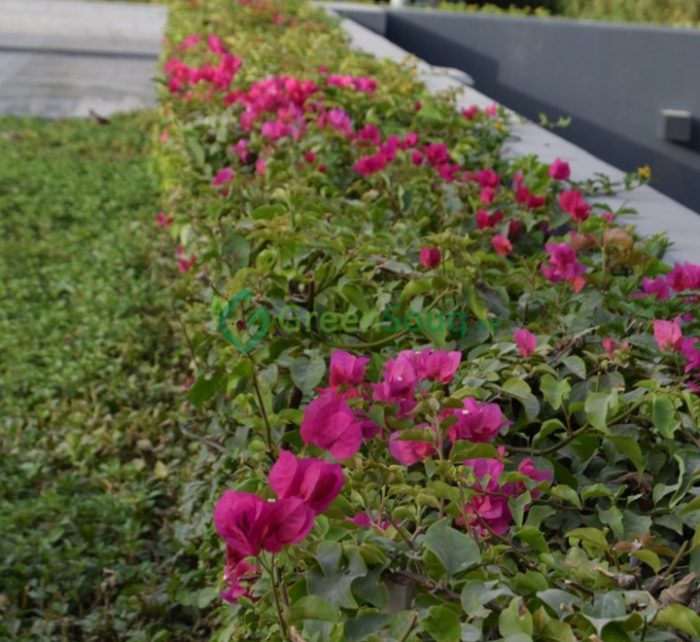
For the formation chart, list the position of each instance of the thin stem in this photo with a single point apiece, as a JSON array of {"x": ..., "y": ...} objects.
[
  {"x": 273, "y": 578},
  {"x": 263, "y": 411},
  {"x": 550, "y": 449},
  {"x": 409, "y": 629}
]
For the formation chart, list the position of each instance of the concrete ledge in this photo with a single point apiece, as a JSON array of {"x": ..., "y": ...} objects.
[
  {"x": 108, "y": 21},
  {"x": 657, "y": 213},
  {"x": 67, "y": 58},
  {"x": 80, "y": 46}
]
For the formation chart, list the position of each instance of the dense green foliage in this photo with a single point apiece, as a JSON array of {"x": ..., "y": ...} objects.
[
  {"x": 671, "y": 12},
  {"x": 280, "y": 203},
  {"x": 91, "y": 457}
]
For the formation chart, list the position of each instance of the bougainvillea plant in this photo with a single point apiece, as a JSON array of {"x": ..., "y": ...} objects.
[{"x": 461, "y": 399}]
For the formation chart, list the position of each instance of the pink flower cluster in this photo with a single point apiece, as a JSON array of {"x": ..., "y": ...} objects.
[
  {"x": 572, "y": 202},
  {"x": 359, "y": 83},
  {"x": 386, "y": 151},
  {"x": 250, "y": 524},
  {"x": 337, "y": 420},
  {"x": 563, "y": 266},
  {"x": 524, "y": 196},
  {"x": 182, "y": 77},
  {"x": 669, "y": 337},
  {"x": 682, "y": 278},
  {"x": 488, "y": 507}
]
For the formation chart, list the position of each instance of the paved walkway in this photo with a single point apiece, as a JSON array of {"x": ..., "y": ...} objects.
[{"x": 66, "y": 58}]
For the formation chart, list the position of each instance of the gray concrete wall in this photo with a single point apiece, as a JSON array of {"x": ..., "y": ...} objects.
[{"x": 612, "y": 79}]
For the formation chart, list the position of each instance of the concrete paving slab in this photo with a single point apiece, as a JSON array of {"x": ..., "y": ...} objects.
[{"x": 67, "y": 58}]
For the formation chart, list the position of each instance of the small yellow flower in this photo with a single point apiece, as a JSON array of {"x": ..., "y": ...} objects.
[{"x": 644, "y": 172}]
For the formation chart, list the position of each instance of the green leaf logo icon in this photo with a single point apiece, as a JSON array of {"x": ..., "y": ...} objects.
[{"x": 260, "y": 318}]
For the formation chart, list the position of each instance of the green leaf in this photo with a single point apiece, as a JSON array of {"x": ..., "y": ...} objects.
[
  {"x": 268, "y": 211},
  {"x": 334, "y": 583},
  {"x": 559, "y": 601},
  {"x": 566, "y": 493},
  {"x": 592, "y": 536},
  {"x": 596, "y": 407},
  {"x": 679, "y": 617},
  {"x": 554, "y": 391},
  {"x": 650, "y": 558},
  {"x": 312, "y": 607},
  {"x": 307, "y": 372},
  {"x": 355, "y": 296},
  {"x": 630, "y": 447},
  {"x": 455, "y": 549},
  {"x": 442, "y": 624},
  {"x": 516, "y": 387},
  {"x": 533, "y": 537},
  {"x": 206, "y": 387},
  {"x": 236, "y": 249},
  {"x": 576, "y": 365},
  {"x": 416, "y": 434},
  {"x": 476, "y": 303},
  {"x": 415, "y": 287},
  {"x": 549, "y": 427},
  {"x": 361, "y": 627},
  {"x": 516, "y": 619},
  {"x": 556, "y": 631},
  {"x": 664, "y": 416}
]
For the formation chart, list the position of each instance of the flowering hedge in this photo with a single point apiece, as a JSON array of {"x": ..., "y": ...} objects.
[{"x": 476, "y": 416}]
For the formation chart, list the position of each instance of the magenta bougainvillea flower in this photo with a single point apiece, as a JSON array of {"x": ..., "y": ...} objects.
[
  {"x": 223, "y": 176},
  {"x": 430, "y": 257},
  {"x": 400, "y": 378},
  {"x": 563, "y": 266},
  {"x": 163, "y": 220},
  {"x": 684, "y": 276},
  {"x": 526, "y": 341},
  {"x": 368, "y": 133},
  {"x": 658, "y": 287},
  {"x": 189, "y": 41},
  {"x": 330, "y": 424},
  {"x": 501, "y": 245},
  {"x": 560, "y": 170},
  {"x": 691, "y": 353},
  {"x": 476, "y": 421},
  {"x": 484, "y": 220},
  {"x": 289, "y": 521},
  {"x": 239, "y": 574},
  {"x": 184, "y": 264},
  {"x": 668, "y": 334},
  {"x": 488, "y": 178},
  {"x": 410, "y": 452},
  {"x": 488, "y": 508},
  {"x": 609, "y": 345},
  {"x": 524, "y": 196},
  {"x": 471, "y": 112},
  {"x": 249, "y": 524},
  {"x": 241, "y": 520},
  {"x": 347, "y": 369},
  {"x": 314, "y": 481},
  {"x": 368, "y": 165},
  {"x": 573, "y": 203},
  {"x": 435, "y": 365}
]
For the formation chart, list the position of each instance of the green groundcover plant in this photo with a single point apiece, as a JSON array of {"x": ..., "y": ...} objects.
[
  {"x": 91, "y": 457},
  {"x": 681, "y": 13},
  {"x": 527, "y": 472}
]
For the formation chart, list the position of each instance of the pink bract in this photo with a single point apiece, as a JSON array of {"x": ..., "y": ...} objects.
[
  {"x": 330, "y": 424},
  {"x": 526, "y": 341},
  {"x": 314, "y": 481}
]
